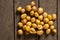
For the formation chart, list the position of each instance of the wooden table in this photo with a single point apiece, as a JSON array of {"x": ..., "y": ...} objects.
[{"x": 9, "y": 19}]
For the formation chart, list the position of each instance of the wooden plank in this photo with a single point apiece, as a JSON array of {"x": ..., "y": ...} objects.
[
  {"x": 22, "y": 3},
  {"x": 50, "y": 7},
  {"x": 6, "y": 20},
  {"x": 58, "y": 19}
]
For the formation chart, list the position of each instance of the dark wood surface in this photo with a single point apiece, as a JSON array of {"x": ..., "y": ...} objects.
[
  {"x": 9, "y": 19},
  {"x": 6, "y": 20}
]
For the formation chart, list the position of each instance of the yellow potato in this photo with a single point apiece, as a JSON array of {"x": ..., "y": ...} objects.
[
  {"x": 52, "y": 27},
  {"x": 32, "y": 13},
  {"x": 33, "y": 19},
  {"x": 24, "y": 21},
  {"x": 40, "y": 27},
  {"x": 28, "y": 8},
  {"x": 54, "y": 16},
  {"x": 32, "y": 3},
  {"x": 34, "y": 8},
  {"x": 46, "y": 26},
  {"x": 48, "y": 31},
  {"x": 40, "y": 17},
  {"x": 19, "y": 8},
  {"x": 23, "y": 16},
  {"x": 46, "y": 20},
  {"x": 28, "y": 17},
  {"x": 50, "y": 22},
  {"x": 36, "y": 14},
  {"x": 49, "y": 17},
  {"x": 22, "y": 10},
  {"x": 54, "y": 31},
  {"x": 20, "y": 24},
  {"x": 45, "y": 14},
  {"x": 29, "y": 23},
  {"x": 40, "y": 32},
  {"x": 40, "y": 10},
  {"x": 37, "y": 21},
  {"x": 42, "y": 23},
  {"x": 34, "y": 25},
  {"x": 20, "y": 32}
]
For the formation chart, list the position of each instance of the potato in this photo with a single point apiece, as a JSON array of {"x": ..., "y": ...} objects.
[
  {"x": 49, "y": 17},
  {"x": 37, "y": 21},
  {"x": 20, "y": 24},
  {"x": 29, "y": 23},
  {"x": 32, "y": 3},
  {"x": 20, "y": 32},
  {"x": 46, "y": 26},
  {"x": 52, "y": 27},
  {"x": 40, "y": 27},
  {"x": 33, "y": 19},
  {"x": 46, "y": 20},
  {"x": 24, "y": 21},
  {"x": 19, "y": 8},
  {"x": 36, "y": 14},
  {"x": 40, "y": 10},
  {"x": 34, "y": 8},
  {"x": 23, "y": 16},
  {"x": 54, "y": 16},
  {"x": 40, "y": 32},
  {"x": 54, "y": 31},
  {"x": 28, "y": 8},
  {"x": 23, "y": 10},
  {"x": 42, "y": 23},
  {"x": 48, "y": 31},
  {"x": 50, "y": 22},
  {"x": 32, "y": 13},
  {"x": 40, "y": 17},
  {"x": 28, "y": 18},
  {"x": 45, "y": 14},
  {"x": 34, "y": 25}
]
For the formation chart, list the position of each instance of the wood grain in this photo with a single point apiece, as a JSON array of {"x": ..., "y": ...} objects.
[
  {"x": 50, "y": 7},
  {"x": 6, "y": 20},
  {"x": 22, "y": 3},
  {"x": 58, "y": 19}
]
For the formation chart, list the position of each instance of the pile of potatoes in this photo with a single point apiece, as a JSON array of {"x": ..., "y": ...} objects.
[{"x": 35, "y": 21}]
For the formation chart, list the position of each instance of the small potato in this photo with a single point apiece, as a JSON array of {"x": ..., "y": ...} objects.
[
  {"x": 20, "y": 32},
  {"x": 24, "y": 21},
  {"x": 45, "y": 14},
  {"x": 40, "y": 17},
  {"x": 27, "y": 28},
  {"x": 50, "y": 22},
  {"x": 24, "y": 27},
  {"x": 32, "y": 13},
  {"x": 32, "y": 31},
  {"x": 42, "y": 23},
  {"x": 20, "y": 24},
  {"x": 37, "y": 21},
  {"x": 34, "y": 8},
  {"x": 40, "y": 32},
  {"x": 54, "y": 31},
  {"x": 52, "y": 27},
  {"x": 54, "y": 16},
  {"x": 19, "y": 8},
  {"x": 46, "y": 26},
  {"x": 39, "y": 27},
  {"x": 36, "y": 14},
  {"x": 40, "y": 10},
  {"x": 32, "y": 3},
  {"x": 23, "y": 16},
  {"x": 28, "y": 8},
  {"x": 29, "y": 23},
  {"x": 23, "y": 11},
  {"x": 46, "y": 20},
  {"x": 49, "y": 17},
  {"x": 28, "y": 17},
  {"x": 48, "y": 31},
  {"x": 33, "y": 19},
  {"x": 34, "y": 25}
]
